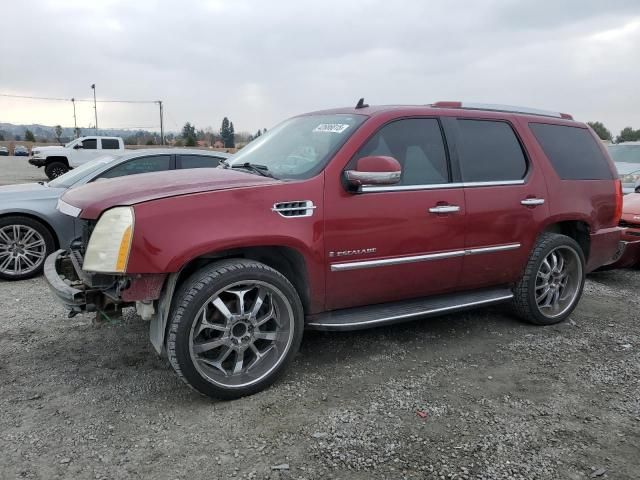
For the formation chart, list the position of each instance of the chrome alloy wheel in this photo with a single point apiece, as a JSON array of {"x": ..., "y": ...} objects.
[
  {"x": 241, "y": 334},
  {"x": 22, "y": 250},
  {"x": 558, "y": 281}
]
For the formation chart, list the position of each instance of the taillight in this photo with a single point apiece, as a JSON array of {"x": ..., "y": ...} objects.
[{"x": 618, "y": 210}]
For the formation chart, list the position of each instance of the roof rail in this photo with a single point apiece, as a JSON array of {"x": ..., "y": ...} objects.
[{"x": 501, "y": 108}]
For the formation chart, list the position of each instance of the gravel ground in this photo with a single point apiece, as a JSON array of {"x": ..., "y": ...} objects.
[{"x": 476, "y": 395}]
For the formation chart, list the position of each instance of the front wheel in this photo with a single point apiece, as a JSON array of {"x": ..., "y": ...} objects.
[
  {"x": 55, "y": 169},
  {"x": 552, "y": 282},
  {"x": 234, "y": 327}
]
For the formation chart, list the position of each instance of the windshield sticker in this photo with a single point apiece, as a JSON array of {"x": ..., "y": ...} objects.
[{"x": 331, "y": 127}]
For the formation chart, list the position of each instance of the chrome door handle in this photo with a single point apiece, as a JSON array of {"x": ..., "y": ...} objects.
[
  {"x": 531, "y": 202},
  {"x": 445, "y": 209}
]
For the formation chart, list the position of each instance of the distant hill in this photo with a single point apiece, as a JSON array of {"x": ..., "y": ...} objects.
[{"x": 9, "y": 131}]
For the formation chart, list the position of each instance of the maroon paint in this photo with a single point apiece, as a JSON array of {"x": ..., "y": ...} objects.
[{"x": 186, "y": 214}]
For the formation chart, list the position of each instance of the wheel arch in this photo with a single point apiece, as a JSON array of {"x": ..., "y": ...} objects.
[
  {"x": 579, "y": 230},
  {"x": 287, "y": 260},
  {"x": 57, "y": 158},
  {"x": 38, "y": 219}
]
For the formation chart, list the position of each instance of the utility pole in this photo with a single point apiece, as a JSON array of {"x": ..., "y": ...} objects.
[
  {"x": 93, "y": 87},
  {"x": 161, "y": 124},
  {"x": 75, "y": 123}
]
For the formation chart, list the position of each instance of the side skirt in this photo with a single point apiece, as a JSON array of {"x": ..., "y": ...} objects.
[{"x": 387, "y": 313}]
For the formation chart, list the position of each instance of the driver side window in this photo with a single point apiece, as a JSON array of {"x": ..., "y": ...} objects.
[
  {"x": 417, "y": 144},
  {"x": 90, "y": 144}
]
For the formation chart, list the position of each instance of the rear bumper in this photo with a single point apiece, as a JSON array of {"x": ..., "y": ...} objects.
[
  {"x": 604, "y": 247},
  {"x": 38, "y": 162}
]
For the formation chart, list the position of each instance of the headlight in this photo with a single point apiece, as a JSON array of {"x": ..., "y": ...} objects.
[{"x": 110, "y": 242}]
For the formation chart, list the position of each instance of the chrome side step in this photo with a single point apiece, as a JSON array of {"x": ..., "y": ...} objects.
[{"x": 387, "y": 313}]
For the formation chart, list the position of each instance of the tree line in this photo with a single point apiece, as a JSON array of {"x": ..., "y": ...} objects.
[
  {"x": 226, "y": 135},
  {"x": 627, "y": 134}
]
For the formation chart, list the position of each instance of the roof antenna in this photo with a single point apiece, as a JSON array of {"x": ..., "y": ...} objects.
[{"x": 361, "y": 104}]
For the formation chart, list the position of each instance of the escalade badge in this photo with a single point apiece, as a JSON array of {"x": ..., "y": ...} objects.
[{"x": 348, "y": 253}]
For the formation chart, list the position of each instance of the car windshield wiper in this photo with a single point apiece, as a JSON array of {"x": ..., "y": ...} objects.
[{"x": 255, "y": 167}]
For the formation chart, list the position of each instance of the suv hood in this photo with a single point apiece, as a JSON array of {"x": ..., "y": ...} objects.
[{"x": 96, "y": 197}]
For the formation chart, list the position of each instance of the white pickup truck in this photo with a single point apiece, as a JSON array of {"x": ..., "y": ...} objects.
[{"x": 57, "y": 160}]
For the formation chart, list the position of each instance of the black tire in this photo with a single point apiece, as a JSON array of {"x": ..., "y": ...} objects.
[
  {"x": 524, "y": 300},
  {"x": 197, "y": 293},
  {"x": 55, "y": 169},
  {"x": 42, "y": 231}
]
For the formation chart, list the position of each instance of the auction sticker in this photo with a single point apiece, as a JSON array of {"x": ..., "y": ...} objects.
[{"x": 331, "y": 127}]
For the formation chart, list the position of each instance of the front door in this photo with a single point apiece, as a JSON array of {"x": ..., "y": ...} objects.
[
  {"x": 89, "y": 151},
  {"x": 396, "y": 242}
]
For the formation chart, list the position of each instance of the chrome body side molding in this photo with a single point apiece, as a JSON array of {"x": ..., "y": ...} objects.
[
  {"x": 437, "y": 186},
  {"x": 339, "y": 267}
]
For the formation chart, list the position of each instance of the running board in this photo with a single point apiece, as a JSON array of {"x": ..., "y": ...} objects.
[{"x": 387, "y": 313}]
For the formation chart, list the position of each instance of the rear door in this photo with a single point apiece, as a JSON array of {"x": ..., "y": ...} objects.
[
  {"x": 505, "y": 194},
  {"x": 391, "y": 243}
]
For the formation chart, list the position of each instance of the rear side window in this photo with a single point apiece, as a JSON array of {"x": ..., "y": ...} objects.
[
  {"x": 110, "y": 144},
  {"x": 417, "y": 145},
  {"x": 197, "y": 161},
  {"x": 572, "y": 151},
  {"x": 489, "y": 152}
]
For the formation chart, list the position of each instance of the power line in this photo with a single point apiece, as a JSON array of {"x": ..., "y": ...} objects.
[{"x": 77, "y": 99}]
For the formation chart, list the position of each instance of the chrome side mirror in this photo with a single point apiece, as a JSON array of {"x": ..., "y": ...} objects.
[{"x": 374, "y": 170}]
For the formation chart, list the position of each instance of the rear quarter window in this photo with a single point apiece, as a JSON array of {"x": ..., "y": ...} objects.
[{"x": 573, "y": 152}]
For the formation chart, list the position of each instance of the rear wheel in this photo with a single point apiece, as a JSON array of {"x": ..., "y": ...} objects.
[
  {"x": 24, "y": 246},
  {"x": 553, "y": 280},
  {"x": 55, "y": 169},
  {"x": 234, "y": 327}
]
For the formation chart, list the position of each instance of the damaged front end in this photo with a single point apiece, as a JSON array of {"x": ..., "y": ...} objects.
[{"x": 106, "y": 294}]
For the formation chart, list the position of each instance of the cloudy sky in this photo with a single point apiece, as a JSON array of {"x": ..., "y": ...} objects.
[{"x": 259, "y": 62}]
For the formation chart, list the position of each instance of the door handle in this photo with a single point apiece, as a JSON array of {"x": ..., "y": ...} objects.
[
  {"x": 445, "y": 209},
  {"x": 532, "y": 202}
]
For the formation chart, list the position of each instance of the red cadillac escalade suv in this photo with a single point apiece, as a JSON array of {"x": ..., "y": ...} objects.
[{"x": 340, "y": 220}]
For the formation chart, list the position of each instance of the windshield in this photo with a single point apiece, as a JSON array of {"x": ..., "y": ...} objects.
[
  {"x": 625, "y": 153},
  {"x": 299, "y": 147},
  {"x": 72, "y": 176}
]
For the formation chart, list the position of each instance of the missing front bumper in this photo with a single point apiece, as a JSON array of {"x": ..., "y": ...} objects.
[{"x": 69, "y": 285}]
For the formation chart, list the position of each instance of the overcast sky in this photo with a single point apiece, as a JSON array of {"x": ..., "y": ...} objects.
[{"x": 259, "y": 62}]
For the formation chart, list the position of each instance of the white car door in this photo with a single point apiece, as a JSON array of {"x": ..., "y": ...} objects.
[{"x": 84, "y": 151}]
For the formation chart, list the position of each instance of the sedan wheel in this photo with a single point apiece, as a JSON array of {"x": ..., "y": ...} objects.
[{"x": 24, "y": 245}]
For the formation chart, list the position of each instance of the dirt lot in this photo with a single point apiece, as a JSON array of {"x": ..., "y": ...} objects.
[{"x": 503, "y": 400}]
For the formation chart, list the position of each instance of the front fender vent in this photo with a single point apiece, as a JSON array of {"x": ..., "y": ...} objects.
[{"x": 302, "y": 208}]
